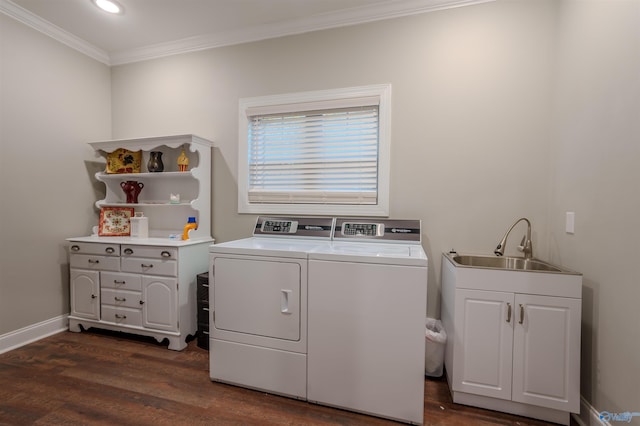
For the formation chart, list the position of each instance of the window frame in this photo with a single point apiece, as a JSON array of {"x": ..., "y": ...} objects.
[{"x": 382, "y": 92}]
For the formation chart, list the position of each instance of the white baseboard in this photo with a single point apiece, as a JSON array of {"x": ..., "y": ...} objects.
[
  {"x": 31, "y": 333},
  {"x": 589, "y": 416}
]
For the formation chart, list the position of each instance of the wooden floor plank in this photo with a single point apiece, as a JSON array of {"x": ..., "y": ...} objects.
[{"x": 107, "y": 378}]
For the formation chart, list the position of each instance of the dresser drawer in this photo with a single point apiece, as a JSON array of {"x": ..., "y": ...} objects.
[
  {"x": 122, "y": 316},
  {"x": 150, "y": 266},
  {"x": 87, "y": 261},
  {"x": 150, "y": 252},
  {"x": 121, "y": 281},
  {"x": 124, "y": 298},
  {"x": 95, "y": 248}
]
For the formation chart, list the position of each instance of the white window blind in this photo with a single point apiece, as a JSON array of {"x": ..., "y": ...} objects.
[
  {"x": 321, "y": 156},
  {"x": 321, "y": 152}
]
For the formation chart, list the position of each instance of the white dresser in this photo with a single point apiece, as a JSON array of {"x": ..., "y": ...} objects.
[{"x": 142, "y": 289}]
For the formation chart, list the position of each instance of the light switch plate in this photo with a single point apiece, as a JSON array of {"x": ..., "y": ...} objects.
[{"x": 570, "y": 222}]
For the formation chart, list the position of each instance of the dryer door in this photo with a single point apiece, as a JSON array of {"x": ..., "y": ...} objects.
[{"x": 257, "y": 297}]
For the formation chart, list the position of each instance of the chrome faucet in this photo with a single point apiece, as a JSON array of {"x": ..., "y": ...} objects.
[{"x": 526, "y": 246}]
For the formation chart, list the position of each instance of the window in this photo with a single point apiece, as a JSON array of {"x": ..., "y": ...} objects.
[{"x": 324, "y": 152}]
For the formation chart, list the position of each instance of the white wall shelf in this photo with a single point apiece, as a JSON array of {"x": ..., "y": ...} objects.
[{"x": 193, "y": 185}]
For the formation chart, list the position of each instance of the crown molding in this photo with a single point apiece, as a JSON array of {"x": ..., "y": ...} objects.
[
  {"x": 342, "y": 18},
  {"x": 22, "y": 15}
]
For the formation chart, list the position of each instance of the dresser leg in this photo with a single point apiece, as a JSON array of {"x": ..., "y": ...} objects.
[
  {"x": 74, "y": 326},
  {"x": 177, "y": 343}
]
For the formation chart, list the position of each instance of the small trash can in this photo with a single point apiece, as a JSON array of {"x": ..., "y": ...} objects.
[{"x": 435, "y": 340}]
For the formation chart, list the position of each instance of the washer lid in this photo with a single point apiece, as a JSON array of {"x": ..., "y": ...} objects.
[{"x": 378, "y": 253}]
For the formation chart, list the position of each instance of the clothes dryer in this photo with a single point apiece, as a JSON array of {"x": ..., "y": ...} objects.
[{"x": 258, "y": 305}]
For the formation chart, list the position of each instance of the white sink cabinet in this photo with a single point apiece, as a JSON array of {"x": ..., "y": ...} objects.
[
  {"x": 147, "y": 286},
  {"x": 513, "y": 340}
]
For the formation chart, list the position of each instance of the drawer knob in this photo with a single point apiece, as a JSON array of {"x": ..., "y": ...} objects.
[
  {"x": 165, "y": 254},
  {"x": 94, "y": 261},
  {"x": 110, "y": 250},
  {"x": 119, "y": 282},
  {"x": 75, "y": 248},
  {"x": 128, "y": 251}
]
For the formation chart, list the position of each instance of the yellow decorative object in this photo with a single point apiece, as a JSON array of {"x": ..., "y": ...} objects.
[
  {"x": 124, "y": 161},
  {"x": 183, "y": 162}
]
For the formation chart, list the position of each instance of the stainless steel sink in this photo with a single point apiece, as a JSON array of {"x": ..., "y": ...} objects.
[{"x": 508, "y": 263}]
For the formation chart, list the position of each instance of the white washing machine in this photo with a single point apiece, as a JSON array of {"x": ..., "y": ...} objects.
[
  {"x": 258, "y": 305},
  {"x": 366, "y": 315}
]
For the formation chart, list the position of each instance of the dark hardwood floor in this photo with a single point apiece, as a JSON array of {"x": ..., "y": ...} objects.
[{"x": 104, "y": 378}]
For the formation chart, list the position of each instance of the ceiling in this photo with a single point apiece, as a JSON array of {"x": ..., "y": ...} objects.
[{"x": 156, "y": 28}]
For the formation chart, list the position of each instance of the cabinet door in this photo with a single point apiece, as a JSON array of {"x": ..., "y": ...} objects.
[
  {"x": 482, "y": 352},
  {"x": 546, "y": 353},
  {"x": 160, "y": 303},
  {"x": 85, "y": 293}
]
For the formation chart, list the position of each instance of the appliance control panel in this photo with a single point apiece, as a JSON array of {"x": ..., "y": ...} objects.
[
  {"x": 352, "y": 229},
  {"x": 294, "y": 227},
  {"x": 273, "y": 226},
  {"x": 375, "y": 229}
]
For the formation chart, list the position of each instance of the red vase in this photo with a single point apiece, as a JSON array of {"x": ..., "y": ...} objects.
[{"x": 132, "y": 189}]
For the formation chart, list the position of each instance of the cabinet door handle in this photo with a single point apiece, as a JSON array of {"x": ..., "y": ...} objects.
[
  {"x": 75, "y": 248},
  {"x": 120, "y": 299},
  {"x": 142, "y": 302},
  {"x": 128, "y": 251},
  {"x": 93, "y": 296},
  {"x": 94, "y": 261},
  {"x": 109, "y": 250},
  {"x": 146, "y": 266},
  {"x": 165, "y": 253},
  {"x": 521, "y": 314},
  {"x": 121, "y": 316},
  {"x": 508, "y": 312}
]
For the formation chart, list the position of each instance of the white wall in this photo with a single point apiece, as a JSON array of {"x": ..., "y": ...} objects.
[
  {"x": 52, "y": 101},
  {"x": 470, "y": 142},
  {"x": 596, "y": 150}
]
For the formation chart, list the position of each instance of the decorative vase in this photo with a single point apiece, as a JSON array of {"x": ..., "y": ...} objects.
[
  {"x": 132, "y": 189},
  {"x": 183, "y": 162},
  {"x": 155, "y": 163}
]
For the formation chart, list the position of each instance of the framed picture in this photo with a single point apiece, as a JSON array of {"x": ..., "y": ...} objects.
[
  {"x": 115, "y": 221},
  {"x": 124, "y": 161}
]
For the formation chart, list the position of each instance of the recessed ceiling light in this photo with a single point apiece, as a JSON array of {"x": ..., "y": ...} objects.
[{"x": 109, "y": 6}]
